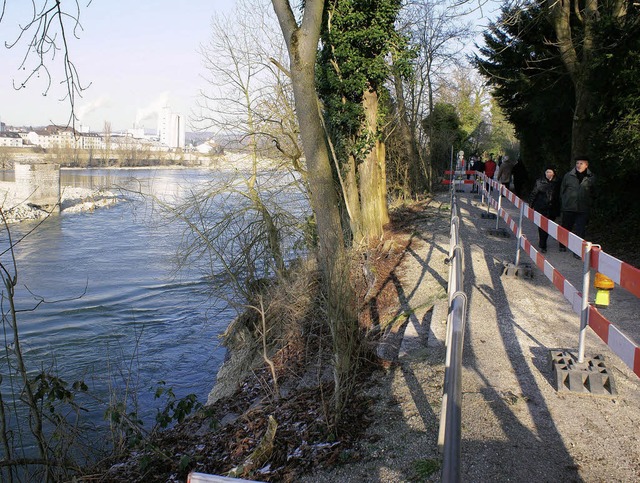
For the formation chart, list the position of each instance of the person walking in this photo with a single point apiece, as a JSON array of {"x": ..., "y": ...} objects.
[
  {"x": 520, "y": 178},
  {"x": 478, "y": 166},
  {"x": 545, "y": 199},
  {"x": 490, "y": 168},
  {"x": 504, "y": 172},
  {"x": 577, "y": 193}
]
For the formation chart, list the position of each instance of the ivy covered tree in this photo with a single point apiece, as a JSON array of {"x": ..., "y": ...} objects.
[{"x": 357, "y": 39}]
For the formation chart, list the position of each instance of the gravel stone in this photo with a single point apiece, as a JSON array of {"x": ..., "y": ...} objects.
[{"x": 515, "y": 425}]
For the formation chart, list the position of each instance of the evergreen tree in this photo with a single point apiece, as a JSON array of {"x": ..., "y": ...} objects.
[{"x": 530, "y": 84}]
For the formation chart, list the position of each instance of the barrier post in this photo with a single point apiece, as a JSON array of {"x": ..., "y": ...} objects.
[
  {"x": 519, "y": 236},
  {"x": 451, "y": 166},
  {"x": 499, "y": 205},
  {"x": 488, "y": 188},
  {"x": 584, "y": 313}
]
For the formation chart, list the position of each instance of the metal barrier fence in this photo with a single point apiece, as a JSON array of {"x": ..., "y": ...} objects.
[
  {"x": 623, "y": 274},
  {"x": 449, "y": 435}
]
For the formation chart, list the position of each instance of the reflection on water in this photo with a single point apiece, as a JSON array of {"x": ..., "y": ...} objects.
[
  {"x": 110, "y": 304},
  {"x": 7, "y": 175},
  {"x": 101, "y": 298}
]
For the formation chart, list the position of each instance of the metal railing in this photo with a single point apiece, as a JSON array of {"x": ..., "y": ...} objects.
[{"x": 449, "y": 435}]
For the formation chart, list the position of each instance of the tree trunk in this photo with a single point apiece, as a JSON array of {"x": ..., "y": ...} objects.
[
  {"x": 371, "y": 178},
  {"x": 302, "y": 43},
  {"x": 577, "y": 65},
  {"x": 417, "y": 175},
  {"x": 352, "y": 199}
]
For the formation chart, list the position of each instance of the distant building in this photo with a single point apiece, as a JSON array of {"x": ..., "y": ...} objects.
[
  {"x": 91, "y": 140},
  {"x": 3, "y": 127},
  {"x": 10, "y": 139},
  {"x": 136, "y": 132},
  {"x": 209, "y": 147},
  {"x": 57, "y": 137},
  {"x": 171, "y": 129}
]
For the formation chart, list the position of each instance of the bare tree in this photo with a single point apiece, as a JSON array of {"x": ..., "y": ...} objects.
[
  {"x": 44, "y": 35},
  {"x": 301, "y": 36},
  {"x": 438, "y": 32},
  {"x": 249, "y": 102}
]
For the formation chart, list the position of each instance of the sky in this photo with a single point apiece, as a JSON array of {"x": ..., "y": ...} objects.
[{"x": 134, "y": 57}]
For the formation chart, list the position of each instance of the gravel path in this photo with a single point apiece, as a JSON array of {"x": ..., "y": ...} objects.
[{"x": 515, "y": 425}]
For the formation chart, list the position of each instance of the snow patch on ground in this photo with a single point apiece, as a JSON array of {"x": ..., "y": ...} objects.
[{"x": 73, "y": 200}]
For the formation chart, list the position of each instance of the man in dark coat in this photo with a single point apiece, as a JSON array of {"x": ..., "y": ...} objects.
[
  {"x": 520, "y": 178},
  {"x": 545, "y": 199},
  {"x": 478, "y": 166},
  {"x": 577, "y": 192}
]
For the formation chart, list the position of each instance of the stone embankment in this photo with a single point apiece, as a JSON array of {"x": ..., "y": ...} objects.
[{"x": 72, "y": 200}]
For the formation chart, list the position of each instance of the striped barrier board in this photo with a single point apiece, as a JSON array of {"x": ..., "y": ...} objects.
[
  {"x": 511, "y": 223},
  {"x": 460, "y": 172},
  {"x": 619, "y": 343},
  {"x": 559, "y": 281},
  {"x": 458, "y": 181},
  {"x": 623, "y": 274}
]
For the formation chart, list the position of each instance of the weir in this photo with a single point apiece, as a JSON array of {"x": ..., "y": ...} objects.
[{"x": 36, "y": 182}]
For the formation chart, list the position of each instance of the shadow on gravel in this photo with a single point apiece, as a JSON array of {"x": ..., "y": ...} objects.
[
  {"x": 425, "y": 263},
  {"x": 542, "y": 363},
  {"x": 513, "y": 452},
  {"x": 389, "y": 347}
]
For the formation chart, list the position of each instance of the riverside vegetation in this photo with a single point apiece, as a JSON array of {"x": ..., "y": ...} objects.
[
  {"x": 270, "y": 415},
  {"x": 283, "y": 348}
]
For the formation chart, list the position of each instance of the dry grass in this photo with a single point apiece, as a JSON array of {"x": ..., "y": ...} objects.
[{"x": 224, "y": 435}]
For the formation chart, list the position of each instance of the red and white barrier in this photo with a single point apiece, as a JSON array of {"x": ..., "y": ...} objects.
[
  {"x": 623, "y": 274},
  {"x": 459, "y": 180}
]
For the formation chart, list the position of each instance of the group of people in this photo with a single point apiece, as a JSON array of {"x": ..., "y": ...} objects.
[
  {"x": 573, "y": 197},
  {"x": 506, "y": 170}
]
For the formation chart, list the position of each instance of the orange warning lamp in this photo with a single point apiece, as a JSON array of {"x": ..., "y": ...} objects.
[{"x": 604, "y": 285}]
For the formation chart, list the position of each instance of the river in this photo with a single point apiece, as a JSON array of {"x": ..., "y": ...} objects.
[{"x": 115, "y": 310}]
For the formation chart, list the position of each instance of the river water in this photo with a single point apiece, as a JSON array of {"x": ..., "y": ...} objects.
[{"x": 114, "y": 310}]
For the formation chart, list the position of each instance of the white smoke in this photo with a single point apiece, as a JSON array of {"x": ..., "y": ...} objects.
[
  {"x": 152, "y": 110},
  {"x": 89, "y": 107}
]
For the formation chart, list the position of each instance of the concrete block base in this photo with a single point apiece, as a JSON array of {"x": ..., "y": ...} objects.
[
  {"x": 590, "y": 377},
  {"x": 500, "y": 232},
  {"x": 524, "y": 270}
]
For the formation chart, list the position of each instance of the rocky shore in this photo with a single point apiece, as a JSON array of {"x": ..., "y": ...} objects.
[{"x": 72, "y": 200}]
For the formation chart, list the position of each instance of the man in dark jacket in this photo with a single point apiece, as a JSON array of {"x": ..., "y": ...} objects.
[
  {"x": 520, "y": 178},
  {"x": 478, "y": 166},
  {"x": 577, "y": 193},
  {"x": 545, "y": 199}
]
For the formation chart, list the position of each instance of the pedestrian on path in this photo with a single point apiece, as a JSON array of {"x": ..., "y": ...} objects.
[
  {"x": 478, "y": 166},
  {"x": 520, "y": 178},
  {"x": 545, "y": 199},
  {"x": 490, "y": 168},
  {"x": 504, "y": 172},
  {"x": 577, "y": 192}
]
